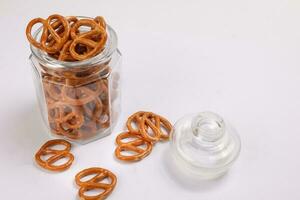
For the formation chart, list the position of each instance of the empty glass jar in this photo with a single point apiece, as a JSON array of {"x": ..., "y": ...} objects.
[{"x": 79, "y": 101}]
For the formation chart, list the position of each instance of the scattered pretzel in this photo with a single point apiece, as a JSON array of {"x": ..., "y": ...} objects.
[
  {"x": 135, "y": 119},
  {"x": 156, "y": 123},
  {"x": 55, "y": 155},
  {"x": 96, "y": 182},
  {"x": 133, "y": 146},
  {"x": 149, "y": 128}
]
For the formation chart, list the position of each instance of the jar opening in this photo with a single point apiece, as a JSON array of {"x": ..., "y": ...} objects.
[{"x": 46, "y": 60}]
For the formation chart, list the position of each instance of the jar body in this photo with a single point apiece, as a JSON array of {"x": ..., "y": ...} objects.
[{"x": 79, "y": 103}]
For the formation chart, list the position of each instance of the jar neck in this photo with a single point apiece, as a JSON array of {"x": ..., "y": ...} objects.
[{"x": 207, "y": 127}]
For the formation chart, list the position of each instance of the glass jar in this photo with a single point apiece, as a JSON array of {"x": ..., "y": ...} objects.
[{"x": 79, "y": 101}]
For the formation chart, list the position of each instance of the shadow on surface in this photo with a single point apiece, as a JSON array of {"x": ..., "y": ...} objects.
[{"x": 185, "y": 180}]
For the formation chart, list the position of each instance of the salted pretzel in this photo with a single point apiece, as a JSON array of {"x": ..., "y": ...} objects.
[
  {"x": 96, "y": 182},
  {"x": 56, "y": 155},
  {"x": 132, "y": 146}
]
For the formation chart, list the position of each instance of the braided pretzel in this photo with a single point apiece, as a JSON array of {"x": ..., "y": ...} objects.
[
  {"x": 56, "y": 155},
  {"x": 95, "y": 183},
  {"x": 133, "y": 146}
]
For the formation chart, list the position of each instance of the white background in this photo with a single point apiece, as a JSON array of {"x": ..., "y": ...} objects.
[{"x": 239, "y": 58}]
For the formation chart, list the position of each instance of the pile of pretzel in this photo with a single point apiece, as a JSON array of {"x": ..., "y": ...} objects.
[
  {"x": 77, "y": 112},
  {"x": 77, "y": 99},
  {"x": 144, "y": 130},
  {"x": 69, "y": 38}
]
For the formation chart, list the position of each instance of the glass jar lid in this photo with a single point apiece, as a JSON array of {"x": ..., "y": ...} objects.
[{"x": 204, "y": 144}]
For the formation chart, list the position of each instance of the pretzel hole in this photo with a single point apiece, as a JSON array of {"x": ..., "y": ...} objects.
[
  {"x": 91, "y": 106},
  {"x": 46, "y": 156},
  {"x": 35, "y": 27},
  {"x": 150, "y": 131},
  {"x": 65, "y": 127},
  {"x": 106, "y": 180},
  {"x": 58, "y": 147},
  {"x": 143, "y": 146},
  {"x": 165, "y": 131},
  {"x": 86, "y": 72},
  {"x": 85, "y": 28},
  {"x": 128, "y": 153},
  {"x": 134, "y": 125},
  {"x": 104, "y": 97},
  {"x": 88, "y": 177},
  {"x": 60, "y": 161},
  {"x": 127, "y": 140},
  {"x": 81, "y": 49},
  {"x": 104, "y": 118},
  {"x": 93, "y": 192}
]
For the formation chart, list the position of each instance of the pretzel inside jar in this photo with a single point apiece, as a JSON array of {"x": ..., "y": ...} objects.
[{"x": 78, "y": 99}]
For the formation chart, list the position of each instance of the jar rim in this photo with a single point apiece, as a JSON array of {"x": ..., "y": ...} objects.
[{"x": 50, "y": 62}]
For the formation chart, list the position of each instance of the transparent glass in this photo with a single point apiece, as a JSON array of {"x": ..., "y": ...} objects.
[
  {"x": 79, "y": 101},
  {"x": 204, "y": 145}
]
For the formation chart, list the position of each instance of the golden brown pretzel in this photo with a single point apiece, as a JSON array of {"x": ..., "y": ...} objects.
[
  {"x": 96, "y": 182},
  {"x": 57, "y": 31},
  {"x": 29, "y": 30},
  {"x": 49, "y": 32},
  {"x": 164, "y": 124},
  {"x": 133, "y": 146},
  {"x": 86, "y": 38},
  {"x": 64, "y": 53},
  {"x": 156, "y": 123},
  {"x": 65, "y": 119},
  {"x": 150, "y": 120},
  {"x": 135, "y": 119},
  {"x": 145, "y": 120},
  {"x": 55, "y": 155},
  {"x": 59, "y": 39}
]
